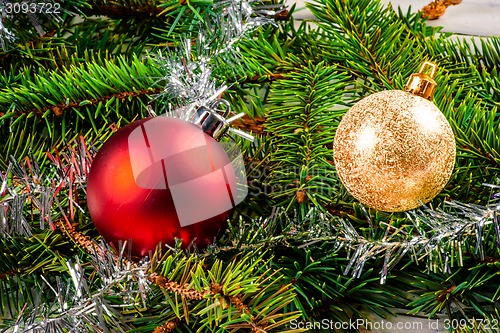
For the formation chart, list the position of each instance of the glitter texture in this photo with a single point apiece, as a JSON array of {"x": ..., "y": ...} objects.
[{"x": 394, "y": 151}]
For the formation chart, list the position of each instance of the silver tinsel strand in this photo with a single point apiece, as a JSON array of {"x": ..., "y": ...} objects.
[
  {"x": 438, "y": 233},
  {"x": 438, "y": 237},
  {"x": 188, "y": 70},
  {"x": 77, "y": 309},
  {"x": 23, "y": 187}
]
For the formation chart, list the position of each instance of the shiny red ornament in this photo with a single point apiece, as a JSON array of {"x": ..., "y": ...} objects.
[{"x": 158, "y": 179}]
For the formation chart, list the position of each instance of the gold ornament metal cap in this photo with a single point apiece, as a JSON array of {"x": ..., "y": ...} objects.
[{"x": 422, "y": 84}]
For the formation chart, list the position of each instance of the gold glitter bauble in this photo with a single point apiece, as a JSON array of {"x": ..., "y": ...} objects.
[{"x": 394, "y": 150}]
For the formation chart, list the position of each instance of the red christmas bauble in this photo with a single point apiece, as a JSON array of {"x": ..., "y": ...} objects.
[{"x": 158, "y": 179}]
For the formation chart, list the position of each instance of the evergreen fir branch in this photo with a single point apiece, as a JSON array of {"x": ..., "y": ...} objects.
[
  {"x": 22, "y": 130},
  {"x": 90, "y": 97},
  {"x": 24, "y": 261},
  {"x": 456, "y": 56},
  {"x": 109, "y": 35},
  {"x": 376, "y": 41},
  {"x": 229, "y": 296},
  {"x": 89, "y": 40},
  {"x": 175, "y": 287},
  {"x": 302, "y": 123},
  {"x": 38, "y": 93},
  {"x": 62, "y": 107},
  {"x": 262, "y": 61},
  {"x": 469, "y": 292},
  {"x": 480, "y": 53},
  {"x": 264, "y": 56},
  {"x": 134, "y": 18},
  {"x": 477, "y": 147}
]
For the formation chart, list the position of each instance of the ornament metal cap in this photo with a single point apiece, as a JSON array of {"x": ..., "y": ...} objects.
[
  {"x": 422, "y": 84},
  {"x": 212, "y": 119}
]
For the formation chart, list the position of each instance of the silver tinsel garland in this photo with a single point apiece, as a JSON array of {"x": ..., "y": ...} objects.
[
  {"x": 188, "y": 70},
  {"x": 22, "y": 185},
  {"x": 78, "y": 309}
]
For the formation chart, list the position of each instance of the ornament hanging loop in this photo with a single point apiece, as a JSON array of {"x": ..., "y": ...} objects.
[
  {"x": 422, "y": 84},
  {"x": 221, "y": 106},
  {"x": 430, "y": 65}
]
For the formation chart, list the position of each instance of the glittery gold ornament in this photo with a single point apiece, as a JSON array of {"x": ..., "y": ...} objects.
[{"x": 395, "y": 150}]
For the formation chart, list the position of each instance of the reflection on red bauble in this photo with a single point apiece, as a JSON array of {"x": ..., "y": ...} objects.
[{"x": 158, "y": 179}]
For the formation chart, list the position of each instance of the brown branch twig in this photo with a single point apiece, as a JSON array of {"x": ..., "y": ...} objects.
[
  {"x": 168, "y": 327},
  {"x": 177, "y": 288},
  {"x": 4, "y": 275},
  {"x": 61, "y": 107},
  {"x": 86, "y": 243},
  {"x": 443, "y": 295},
  {"x": 436, "y": 8},
  {"x": 255, "y": 125},
  {"x": 192, "y": 294}
]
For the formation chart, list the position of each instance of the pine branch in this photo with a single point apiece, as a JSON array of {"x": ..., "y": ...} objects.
[
  {"x": 62, "y": 107},
  {"x": 230, "y": 295},
  {"x": 365, "y": 44},
  {"x": 302, "y": 123},
  {"x": 88, "y": 40},
  {"x": 305, "y": 79},
  {"x": 102, "y": 90},
  {"x": 95, "y": 81},
  {"x": 75, "y": 306},
  {"x": 85, "y": 242}
]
